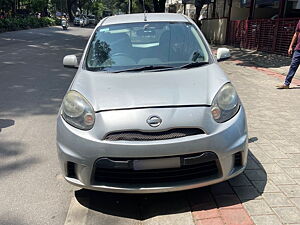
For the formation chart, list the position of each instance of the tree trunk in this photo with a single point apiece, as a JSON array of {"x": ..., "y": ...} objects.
[
  {"x": 156, "y": 6},
  {"x": 70, "y": 4},
  {"x": 159, "y": 5},
  {"x": 162, "y": 5},
  {"x": 147, "y": 8}
]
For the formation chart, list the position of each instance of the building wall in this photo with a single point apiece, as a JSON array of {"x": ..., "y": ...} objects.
[
  {"x": 265, "y": 13},
  {"x": 260, "y": 13},
  {"x": 215, "y": 30},
  {"x": 239, "y": 13}
]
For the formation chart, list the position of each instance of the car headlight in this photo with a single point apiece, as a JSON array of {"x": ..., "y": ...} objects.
[
  {"x": 77, "y": 111},
  {"x": 225, "y": 104}
]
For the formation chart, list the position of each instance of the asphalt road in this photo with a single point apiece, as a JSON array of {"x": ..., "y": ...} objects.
[{"x": 33, "y": 82}]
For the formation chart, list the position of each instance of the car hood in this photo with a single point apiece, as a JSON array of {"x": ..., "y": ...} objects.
[{"x": 185, "y": 87}]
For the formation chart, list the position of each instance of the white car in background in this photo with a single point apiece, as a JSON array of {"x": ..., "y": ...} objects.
[
  {"x": 76, "y": 21},
  {"x": 84, "y": 21},
  {"x": 92, "y": 19}
]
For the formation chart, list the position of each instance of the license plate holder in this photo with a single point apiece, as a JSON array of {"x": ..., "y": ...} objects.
[{"x": 152, "y": 164}]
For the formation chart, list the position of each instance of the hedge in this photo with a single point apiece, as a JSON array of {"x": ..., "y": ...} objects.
[{"x": 12, "y": 24}]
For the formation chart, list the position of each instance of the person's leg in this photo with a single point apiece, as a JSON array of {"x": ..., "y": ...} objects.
[
  {"x": 197, "y": 14},
  {"x": 293, "y": 68}
]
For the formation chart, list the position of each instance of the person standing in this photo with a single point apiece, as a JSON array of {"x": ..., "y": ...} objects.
[
  {"x": 198, "y": 4},
  {"x": 295, "y": 60}
]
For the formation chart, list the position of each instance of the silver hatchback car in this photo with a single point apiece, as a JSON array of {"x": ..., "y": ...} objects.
[{"x": 150, "y": 110}]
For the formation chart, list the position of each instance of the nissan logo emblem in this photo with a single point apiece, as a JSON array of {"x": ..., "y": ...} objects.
[{"x": 154, "y": 121}]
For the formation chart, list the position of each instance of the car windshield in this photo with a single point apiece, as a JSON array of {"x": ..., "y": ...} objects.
[{"x": 149, "y": 45}]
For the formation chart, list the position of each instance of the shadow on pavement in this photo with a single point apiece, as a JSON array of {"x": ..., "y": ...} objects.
[
  {"x": 249, "y": 185},
  {"x": 33, "y": 79},
  {"x": 11, "y": 221},
  {"x": 11, "y": 158},
  {"x": 256, "y": 58},
  {"x": 5, "y": 123}
]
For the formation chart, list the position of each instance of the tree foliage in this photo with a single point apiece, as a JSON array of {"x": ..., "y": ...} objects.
[{"x": 72, "y": 7}]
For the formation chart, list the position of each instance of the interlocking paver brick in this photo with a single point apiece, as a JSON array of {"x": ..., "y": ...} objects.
[
  {"x": 286, "y": 163},
  {"x": 290, "y": 190},
  {"x": 256, "y": 174},
  {"x": 266, "y": 220},
  {"x": 262, "y": 157},
  {"x": 240, "y": 180},
  {"x": 221, "y": 188},
  {"x": 246, "y": 192},
  {"x": 211, "y": 221},
  {"x": 228, "y": 201},
  {"x": 251, "y": 164},
  {"x": 296, "y": 202},
  {"x": 276, "y": 199},
  {"x": 236, "y": 217},
  {"x": 205, "y": 211},
  {"x": 288, "y": 214},
  {"x": 293, "y": 172},
  {"x": 289, "y": 149},
  {"x": 281, "y": 179},
  {"x": 200, "y": 195},
  {"x": 265, "y": 186},
  {"x": 272, "y": 168},
  {"x": 277, "y": 154},
  {"x": 257, "y": 207},
  {"x": 295, "y": 157}
]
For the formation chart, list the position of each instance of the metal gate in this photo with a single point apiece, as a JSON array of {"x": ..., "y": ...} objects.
[{"x": 273, "y": 36}]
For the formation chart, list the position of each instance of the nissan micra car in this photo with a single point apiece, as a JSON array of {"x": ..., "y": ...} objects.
[{"x": 149, "y": 110}]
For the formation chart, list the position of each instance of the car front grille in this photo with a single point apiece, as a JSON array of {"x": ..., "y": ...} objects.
[
  {"x": 208, "y": 168},
  {"x": 152, "y": 136}
]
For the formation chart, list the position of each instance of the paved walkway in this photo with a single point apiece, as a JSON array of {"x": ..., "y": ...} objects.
[
  {"x": 270, "y": 187},
  {"x": 269, "y": 62}
]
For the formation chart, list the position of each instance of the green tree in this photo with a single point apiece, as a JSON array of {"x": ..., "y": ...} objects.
[
  {"x": 39, "y": 6},
  {"x": 7, "y": 5}
]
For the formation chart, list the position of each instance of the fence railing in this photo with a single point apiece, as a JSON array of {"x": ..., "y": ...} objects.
[{"x": 273, "y": 36}]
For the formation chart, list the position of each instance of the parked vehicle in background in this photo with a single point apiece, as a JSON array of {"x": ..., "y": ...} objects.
[
  {"x": 76, "y": 21},
  {"x": 92, "y": 19},
  {"x": 136, "y": 121},
  {"x": 84, "y": 21},
  {"x": 106, "y": 13},
  {"x": 81, "y": 20}
]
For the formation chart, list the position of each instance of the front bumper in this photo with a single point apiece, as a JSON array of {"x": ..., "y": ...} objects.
[{"x": 84, "y": 148}]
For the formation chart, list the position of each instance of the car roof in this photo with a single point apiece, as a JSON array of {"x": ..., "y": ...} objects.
[{"x": 139, "y": 17}]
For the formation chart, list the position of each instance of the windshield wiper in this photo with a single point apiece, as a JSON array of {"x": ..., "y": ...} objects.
[
  {"x": 193, "y": 64},
  {"x": 158, "y": 68}
]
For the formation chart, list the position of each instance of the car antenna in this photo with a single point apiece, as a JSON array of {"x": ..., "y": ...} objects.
[{"x": 145, "y": 17}]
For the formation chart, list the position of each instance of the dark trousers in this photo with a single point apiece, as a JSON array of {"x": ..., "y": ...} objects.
[
  {"x": 198, "y": 10},
  {"x": 293, "y": 67}
]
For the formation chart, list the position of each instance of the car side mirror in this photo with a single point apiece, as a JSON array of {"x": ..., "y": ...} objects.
[
  {"x": 223, "y": 54},
  {"x": 70, "y": 61}
]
